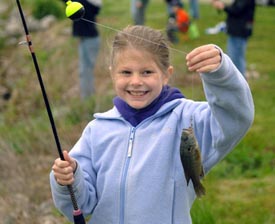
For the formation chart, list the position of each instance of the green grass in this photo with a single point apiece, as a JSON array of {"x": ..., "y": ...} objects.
[
  {"x": 239, "y": 190},
  {"x": 238, "y": 200}
]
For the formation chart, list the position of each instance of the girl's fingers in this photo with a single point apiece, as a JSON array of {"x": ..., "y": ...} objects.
[
  {"x": 206, "y": 65},
  {"x": 63, "y": 172},
  {"x": 64, "y": 179},
  {"x": 203, "y": 59},
  {"x": 199, "y": 50},
  {"x": 63, "y": 169}
]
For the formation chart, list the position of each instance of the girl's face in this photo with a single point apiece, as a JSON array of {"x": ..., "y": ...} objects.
[{"x": 137, "y": 78}]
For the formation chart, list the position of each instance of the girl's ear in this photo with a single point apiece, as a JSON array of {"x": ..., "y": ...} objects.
[
  {"x": 168, "y": 74},
  {"x": 111, "y": 73},
  {"x": 170, "y": 70}
]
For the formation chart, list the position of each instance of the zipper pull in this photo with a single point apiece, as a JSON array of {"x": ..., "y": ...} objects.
[{"x": 130, "y": 147}]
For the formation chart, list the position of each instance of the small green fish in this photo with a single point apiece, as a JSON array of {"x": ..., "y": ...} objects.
[{"x": 191, "y": 160}]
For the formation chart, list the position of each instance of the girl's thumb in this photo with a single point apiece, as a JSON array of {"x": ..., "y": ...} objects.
[{"x": 67, "y": 157}]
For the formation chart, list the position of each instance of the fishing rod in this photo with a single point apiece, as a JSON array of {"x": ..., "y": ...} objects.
[{"x": 75, "y": 11}]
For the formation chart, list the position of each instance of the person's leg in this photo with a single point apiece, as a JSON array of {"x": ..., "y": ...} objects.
[
  {"x": 138, "y": 13},
  {"x": 236, "y": 49},
  {"x": 194, "y": 9},
  {"x": 139, "y": 16},
  {"x": 133, "y": 9},
  {"x": 88, "y": 51}
]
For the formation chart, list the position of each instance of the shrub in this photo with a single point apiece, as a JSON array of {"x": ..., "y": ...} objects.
[{"x": 42, "y": 8}]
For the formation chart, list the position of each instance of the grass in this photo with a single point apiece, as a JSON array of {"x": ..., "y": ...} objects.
[
  {"x": 233, "y": 201},
  {"x": 239, "y": 190}
]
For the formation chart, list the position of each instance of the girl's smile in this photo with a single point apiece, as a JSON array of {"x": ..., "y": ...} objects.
[
  {"x": 137, "y": 78},
  {"x": 137, "y": 93}
]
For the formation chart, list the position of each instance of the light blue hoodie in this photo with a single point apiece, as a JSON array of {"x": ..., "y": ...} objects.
[{"x": 134, "y": 175}]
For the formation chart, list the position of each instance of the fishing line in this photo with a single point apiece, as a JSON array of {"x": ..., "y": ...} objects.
[
  {"x": 118, "y": 30},
  {"x": 146, "y": 40}
]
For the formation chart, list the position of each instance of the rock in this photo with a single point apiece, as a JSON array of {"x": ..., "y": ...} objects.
[
  {"x": 48, "y": 220},
  {"x": 47, "y": 21},
  {"x": 14, "y": 27},
  {"x": 3, "y": 7}
]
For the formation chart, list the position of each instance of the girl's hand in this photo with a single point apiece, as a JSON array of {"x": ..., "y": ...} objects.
[
  {"x": 64, "y": 169},
  {"x": 204, "y": 59}
]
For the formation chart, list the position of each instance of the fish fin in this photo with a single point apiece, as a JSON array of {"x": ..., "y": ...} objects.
[
  {"x": 187, "y": 177},
  {"x": 188, "y": 180},
  {"x": 199, "y": 189}
]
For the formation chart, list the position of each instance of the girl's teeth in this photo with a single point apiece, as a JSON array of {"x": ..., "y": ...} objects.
[{"x": 137, "y": 93}]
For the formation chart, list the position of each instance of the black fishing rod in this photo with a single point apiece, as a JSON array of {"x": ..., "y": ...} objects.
[{"x": 74, "y": 10}]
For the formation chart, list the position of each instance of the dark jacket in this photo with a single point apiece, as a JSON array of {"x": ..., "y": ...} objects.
[
  {"x": 83, "y": 28},
  {"x": 240, "y": 18}
]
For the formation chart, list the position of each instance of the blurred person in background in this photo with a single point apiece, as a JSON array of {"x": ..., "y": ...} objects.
[
  {"x": 239, "y": 26},
  {"x": 88, "y": 48},
  {"x": 178, "y": 20},
  {"x": 171, "y": 4},
  {"x": 138, "y": 8},
  {"x": 194, "y": 9}
]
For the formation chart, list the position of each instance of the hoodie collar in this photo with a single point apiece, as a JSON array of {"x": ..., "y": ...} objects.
[{"x": 135, "y": 116}]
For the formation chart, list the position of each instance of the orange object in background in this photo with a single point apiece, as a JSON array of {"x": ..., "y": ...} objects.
[{"x": 182, "y": 20}]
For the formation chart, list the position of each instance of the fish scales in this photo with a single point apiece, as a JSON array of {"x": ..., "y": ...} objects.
[{"x": 191, "y": 160}]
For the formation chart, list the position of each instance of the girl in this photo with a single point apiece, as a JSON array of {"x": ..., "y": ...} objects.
[{"x": 126, "y": 166}]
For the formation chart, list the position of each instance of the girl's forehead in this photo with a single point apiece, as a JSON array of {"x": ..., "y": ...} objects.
[
  {"x": 145, "y": 57},
  {"x": 133, "y": 54}
]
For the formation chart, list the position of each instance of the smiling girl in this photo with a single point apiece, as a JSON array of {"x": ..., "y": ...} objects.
[{"x": 126, "y": 166}]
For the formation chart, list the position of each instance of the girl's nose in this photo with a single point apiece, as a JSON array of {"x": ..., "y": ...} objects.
[{"x": 136, "y": 79}]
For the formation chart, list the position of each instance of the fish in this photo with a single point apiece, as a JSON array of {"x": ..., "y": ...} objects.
[{"x": 191, "y": 160}]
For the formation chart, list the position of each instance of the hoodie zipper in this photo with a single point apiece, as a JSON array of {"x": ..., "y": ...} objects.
[{"x": 124, "y": 176}]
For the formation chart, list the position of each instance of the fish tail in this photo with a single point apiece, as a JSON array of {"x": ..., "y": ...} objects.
[{"x": 199, "y": 189}]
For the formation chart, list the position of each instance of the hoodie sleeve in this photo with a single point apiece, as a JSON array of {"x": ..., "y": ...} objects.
[
  {"x": 229, "y": 114},
  {"x": 84, "y": 184}
]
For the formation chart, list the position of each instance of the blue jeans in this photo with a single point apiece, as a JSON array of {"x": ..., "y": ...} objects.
[
  {"x": 236, "y": 49},
  {"x": 138, "y": 14},
  {"x": 88, "y": 50},
  {"x": 194, "y": 9}
]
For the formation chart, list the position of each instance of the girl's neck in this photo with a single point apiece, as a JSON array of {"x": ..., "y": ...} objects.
[{"x": 135, "y": 116}]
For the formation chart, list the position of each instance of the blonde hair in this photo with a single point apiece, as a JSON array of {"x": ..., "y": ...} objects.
[{"x": 142, "y": 38}]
